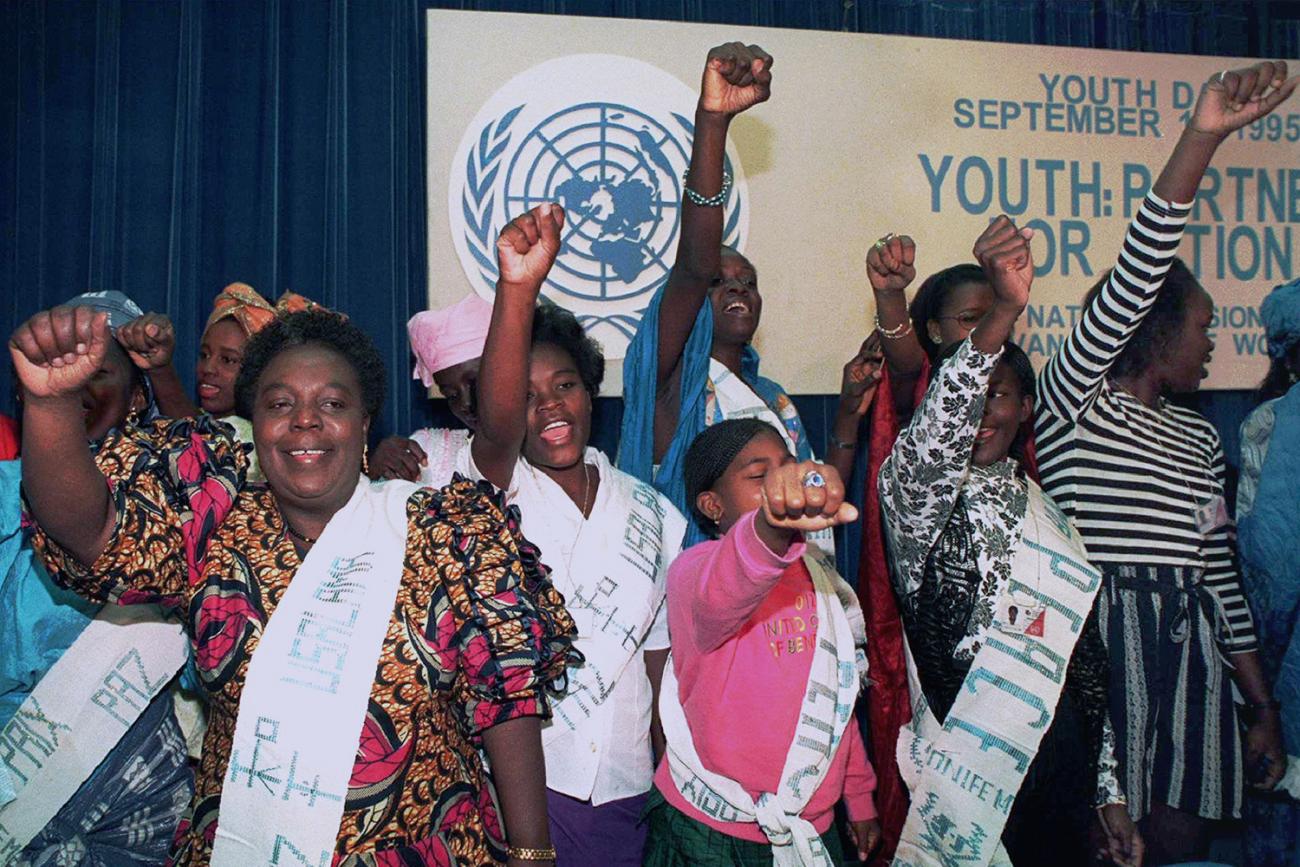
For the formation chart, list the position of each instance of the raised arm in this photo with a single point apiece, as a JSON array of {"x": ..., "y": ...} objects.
[
  {"x": 150, "y": 342},
  {"x": 923, "y": 475},
  {"x": 525, "y": 252},
  {"x": 739, "y": 573},
  {"x": 736, "y": 77},
  {"x": 890, "y": 270},
  {"x": 858, "y": 387},
  {"x": 1073, "y": 376},
  {"x": 55, "y": 354}
]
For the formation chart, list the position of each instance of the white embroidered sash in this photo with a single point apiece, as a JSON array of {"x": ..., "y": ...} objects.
[
  {"x": 613, "y": 585},
  {"x": 964, "y": 774},
  {"x": 308, "y": 686},
  {"x": 834, "y": 678},
  {"x": 79, "y": 711},
  {"x": 737, "y": 400}
]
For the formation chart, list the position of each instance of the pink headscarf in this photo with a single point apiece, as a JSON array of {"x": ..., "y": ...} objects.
[{"x": 443, "y": 338}]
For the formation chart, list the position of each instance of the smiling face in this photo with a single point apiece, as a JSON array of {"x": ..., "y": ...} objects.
[
  {"x": 1186, "y": 359},
  {"x": 1006, "y": 408},
  {"x": 220, "y": 355},
  {"x": 310, "y": 426},
  {"x": 737, "y": 306},
  {"x": 459, "y": 384},
  {"x": 961, "y": 311},
  {"x": 111, "y": 394},
  {"x": 559, "y": 410},
  {"x": 739, "y": 490}
]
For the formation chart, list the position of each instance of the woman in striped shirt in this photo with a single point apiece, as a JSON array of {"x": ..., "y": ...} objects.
[{"x": 1143, "y": 480}]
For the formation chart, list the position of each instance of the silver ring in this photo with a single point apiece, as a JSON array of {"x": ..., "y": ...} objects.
[
  {"x": 814, "y": 479},
  {"x": 1223, "y": 75}
]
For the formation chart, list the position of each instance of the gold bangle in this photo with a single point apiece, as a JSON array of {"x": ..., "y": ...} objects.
[
  {"x": 524, "y": 853},
  {"x": 898, "y": 332}
]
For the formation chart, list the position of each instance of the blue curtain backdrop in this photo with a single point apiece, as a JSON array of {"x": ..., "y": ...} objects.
[{"x": 167, "y": 147}]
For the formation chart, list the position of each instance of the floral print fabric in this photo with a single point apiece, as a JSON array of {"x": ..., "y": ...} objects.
[{"x": 478, "y": 635}]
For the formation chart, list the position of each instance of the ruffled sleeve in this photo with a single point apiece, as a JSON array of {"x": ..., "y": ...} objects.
[
  {"x": 172, "y": 484},
  {"x": 498, "y": 616}
]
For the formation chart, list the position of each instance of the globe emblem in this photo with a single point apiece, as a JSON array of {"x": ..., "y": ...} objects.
[
  {"x": 617, "y": 172},
  {"x": 612, "y": 149}
]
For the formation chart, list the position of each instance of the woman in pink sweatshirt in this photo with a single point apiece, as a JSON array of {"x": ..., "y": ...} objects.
[{"x": 767, "y": 659}]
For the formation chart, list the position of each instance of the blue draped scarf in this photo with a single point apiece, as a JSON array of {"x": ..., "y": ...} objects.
[
  {"x": 640, "y": 369},
  {"x": 1269, "y": 541}
]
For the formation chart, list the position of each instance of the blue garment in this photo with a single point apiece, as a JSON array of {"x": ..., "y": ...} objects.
[
  {"x": 640, "y": 370},
  {"x": 1270, "y": 567},
  {"x": 128, "y": 809},
  {"x": 38, "y": 619}
]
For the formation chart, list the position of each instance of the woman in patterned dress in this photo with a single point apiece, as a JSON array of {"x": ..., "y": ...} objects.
[
  {"x": 959, "y": 515},
  {"x": 162, "y": 514},
  {"x": 1143, "y": 480}
]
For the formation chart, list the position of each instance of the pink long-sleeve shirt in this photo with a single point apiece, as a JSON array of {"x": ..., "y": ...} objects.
[{"x": 743, "y": 627}]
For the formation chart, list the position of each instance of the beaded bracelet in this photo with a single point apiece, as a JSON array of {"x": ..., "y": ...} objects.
[
  {"x": 897, "y": 332},
  {"x": 707, "y": 201}
]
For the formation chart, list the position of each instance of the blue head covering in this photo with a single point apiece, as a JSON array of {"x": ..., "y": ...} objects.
[
  {"x": 121, "y": 310},
  {"x": 1281, "y": 314},
  {"x": 636, "y": 444}
]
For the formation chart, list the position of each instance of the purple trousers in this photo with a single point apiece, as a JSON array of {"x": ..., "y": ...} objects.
[{"x": 605, "y": 836}]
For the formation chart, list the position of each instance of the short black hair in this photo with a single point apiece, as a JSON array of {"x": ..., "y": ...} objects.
[
  {"x": 321, "y": 327},
  {"x": 554, "y": 325},
  {"x": 1162, "y": 324},
  {"x": 933, "y": 294},
  {"x": 711, "y": 452}
]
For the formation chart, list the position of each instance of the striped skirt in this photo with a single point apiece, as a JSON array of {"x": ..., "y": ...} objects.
[{"x": 1171, "y": 705}]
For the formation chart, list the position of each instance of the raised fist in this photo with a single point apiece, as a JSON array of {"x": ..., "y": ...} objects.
[
  {"x": 889, "y": 263},
  {"x": 736, "y": 77},
  {"x": 862, "y": 376},
  {"x": 57, "y": 351},
  {"x": 1235, "y": 97},
  {"x": 149, "y": 341},
  {"x": 527, "y": 248},
  {"x": 805, "y": 496},
  {"x": 1003, "y": 252}
]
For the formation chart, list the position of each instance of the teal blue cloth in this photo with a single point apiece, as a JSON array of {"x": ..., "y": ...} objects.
[
  {"x": 1268, "y": 538},
  {"x": 640, "y": 372},
  {"x": 38, "y": 619}
]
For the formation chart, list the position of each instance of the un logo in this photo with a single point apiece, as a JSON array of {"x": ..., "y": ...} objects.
[{"x": 608, "y": 138}]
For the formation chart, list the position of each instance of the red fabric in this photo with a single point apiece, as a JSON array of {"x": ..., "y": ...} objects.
[
  {"x": 888, "y": 705},
  {"x": 9, "y": 441}
]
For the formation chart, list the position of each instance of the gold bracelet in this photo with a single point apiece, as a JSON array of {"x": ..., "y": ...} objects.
[{"x": 523, "y": 853}]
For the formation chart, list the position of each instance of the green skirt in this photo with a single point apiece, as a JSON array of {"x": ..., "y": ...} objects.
[{"x": 677, "y": 840}]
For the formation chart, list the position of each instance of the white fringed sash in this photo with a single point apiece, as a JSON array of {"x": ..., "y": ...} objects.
[
  {"x": 964, "y": 774},
  {"x": 304, "y": 701},
  {"x": 834, "y": 678},
  {"x": 79, "y": 711}
]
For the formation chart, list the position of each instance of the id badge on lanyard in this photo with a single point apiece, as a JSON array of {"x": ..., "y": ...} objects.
[{"x": 1211, "y": 515}]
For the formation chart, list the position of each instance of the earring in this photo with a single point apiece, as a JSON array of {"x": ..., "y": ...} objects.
[{"x": 365, "y": 463}]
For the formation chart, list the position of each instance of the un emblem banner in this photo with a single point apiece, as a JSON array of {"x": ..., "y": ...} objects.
[
  {"x": 864, "y": 134},
  {"x": 607, "y": 137}
]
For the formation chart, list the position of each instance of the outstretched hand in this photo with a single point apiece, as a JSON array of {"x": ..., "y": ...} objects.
[
  {"x": 792, "y": 499},
  {"x": 149, "y": 341},
  {"x": 527, "y": 247},
  {"x": 736, "y": 77},
  {"x": 890, "y": 263},
  {"x": 57, "y": 351},
  {"x": 1003, "y": 252},
  {"x": 1236, "y": 97}
]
